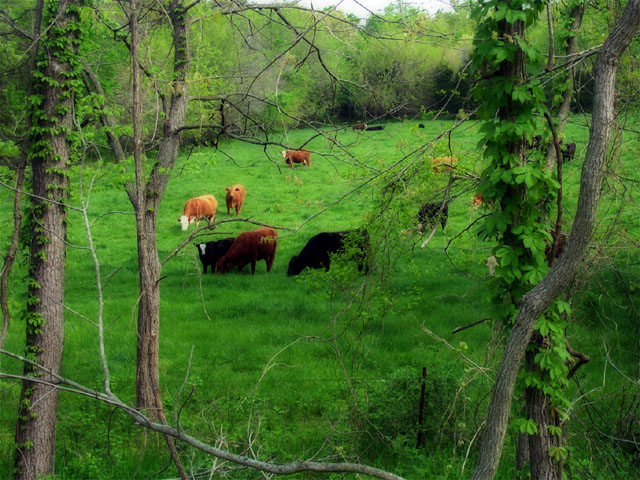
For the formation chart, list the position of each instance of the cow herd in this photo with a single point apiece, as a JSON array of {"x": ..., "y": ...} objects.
[{"x": 260, "y": 244}]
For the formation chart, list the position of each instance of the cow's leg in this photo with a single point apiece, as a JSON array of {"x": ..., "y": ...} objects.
[
  {"x": 269, "y": 261},
  {"x": 253, "y": 266}
]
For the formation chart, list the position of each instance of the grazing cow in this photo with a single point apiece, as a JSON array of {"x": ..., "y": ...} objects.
[
  {"x": 210, "y": 252},
  {"x": 492, "y": 263},
  {"x": 535, "y": 143},
  {"x": 377, "y": 127},
  {"x": 319, "y": 249},
  {"x": 477, "y": 200},
  {"x": 429, "y": 213},
  {"x": 359, "y": 126},
  {"x": 562, "y": 240},
  {"x": 249, "y": 247},
  {"x": 568, "y": 152},
  {"x": 196, "y": 208},
  {"x": 421, "y": 125},
  {"x": 235, "y": 198},
  {"x": 297, "y": 156},
  {"x": 443, "y": 164}
]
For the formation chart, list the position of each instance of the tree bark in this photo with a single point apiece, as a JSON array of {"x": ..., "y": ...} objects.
[
  {"x": 49, "y": 154},
  {"x": 541, "y": 296}
]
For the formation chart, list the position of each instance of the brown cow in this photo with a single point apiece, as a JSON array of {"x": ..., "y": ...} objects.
[
  {"x": 235, "y": 198},
  {"x": 443, "y": 164},
  {"x": 359, "y": 126},
  {"x": 196, "y": 208},
  {"x": 562, "y": 241},
  {"x": 477, "y": 200},
  {"x": 297, "y": 156},
  {"x": 249, "y": 247}
]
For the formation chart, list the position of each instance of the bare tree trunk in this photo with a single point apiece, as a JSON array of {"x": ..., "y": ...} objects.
[
  {"x": 540, "y": 297},
  {"x": 36, "y": 426},
  {"x": 146, "y": 200}
]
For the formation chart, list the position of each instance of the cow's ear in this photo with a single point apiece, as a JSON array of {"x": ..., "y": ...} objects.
[{"x": 226, "y": 189}]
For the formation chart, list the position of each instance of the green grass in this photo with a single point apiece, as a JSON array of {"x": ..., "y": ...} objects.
[{"x": 297, "y": 357}]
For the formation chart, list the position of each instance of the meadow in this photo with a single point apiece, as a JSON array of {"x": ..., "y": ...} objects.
[{"x": 326, "y": 365}]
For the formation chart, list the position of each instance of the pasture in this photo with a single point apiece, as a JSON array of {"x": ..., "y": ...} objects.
[{"x": 324, "y": 365}]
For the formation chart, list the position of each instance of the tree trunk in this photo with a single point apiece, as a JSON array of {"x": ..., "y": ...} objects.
[
  {"x": 49, "y": 153},
  {"x": 541, "y": 296}
]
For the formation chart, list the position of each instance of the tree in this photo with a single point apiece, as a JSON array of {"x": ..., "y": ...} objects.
[
  {"x": 50, "y": 151},
  {"x": 535, "y": 302}
]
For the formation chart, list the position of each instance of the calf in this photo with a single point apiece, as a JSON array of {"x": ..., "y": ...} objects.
[
  {"x": 249, "y": 247},
  {"x": 562, "y": 240},
  {"x": 359, "y": 126},
  {"x": 429, "y": 213},
  {"x": 568, "y": 152},
  {"x": 235, "y": 198},
  {"x": 319, "y": 249},
  {"x": 443, "y": 164},
  {"x": 297, "y": 156},
  {"x": 196, "y": 208},
  {"x": 210, "y": 252},
  {"x": 377, "y": 127}
]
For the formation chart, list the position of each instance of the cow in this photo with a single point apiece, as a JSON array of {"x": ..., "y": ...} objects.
[
  {"x": 535, "y": 143},
  {"x": 568, "y": 152},
  {"x": 562, "y": 240},
  {"x": 377, "y": 127},
  {"x": 297, "y": 156},
  {"x": 249, "y": 247},
  {"x": 443, "y": 164},
  {"x": 421, "y": 125},
  {"x": 196, "y": 208},
  {"x": 235, "y": 198},
  {"x": 319, "y": 249},
  {"x": 429, "y": 213},
  {"x": 210, "y": 252},
  {"x": 477, "y": 200},
  {"x": 492, "y": 263},
  {"x": 359, "y": 126}
]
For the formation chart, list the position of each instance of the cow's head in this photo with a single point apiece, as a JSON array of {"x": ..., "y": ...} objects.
[
  {"x": 284, "y": 154},
  {"x": 184, "y": 221},
  {"x": 295, "y": 266}
]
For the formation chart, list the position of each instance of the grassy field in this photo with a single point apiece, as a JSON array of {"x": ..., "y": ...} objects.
[{"x": 325, "y": 365}]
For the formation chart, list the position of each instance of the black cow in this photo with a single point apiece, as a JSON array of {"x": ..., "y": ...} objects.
[
  {"x": 568, "y": 152},
  {"x": 535, "y": 143},
  {"x": 318, "y": 250},
  {"x": 421, "y": 125},
  {"x": 429, "y": 213},
  {"x": 377, "y": 127},
  {"x": 210, "y": 252}
]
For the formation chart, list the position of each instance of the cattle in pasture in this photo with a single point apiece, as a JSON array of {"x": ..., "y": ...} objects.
[
  {"x": 210, "y": 252},
  {"x": 374, "y": 128},
  {"x": 443, "y": 164},
  {"x": 421, "y": 125},
  {"x": 319, "y": 249},
  {"x": 430, "y": 213},
  {"x": 249, "y": 247},
  {"x": 492, "y": 263},
  {"x": 197, "y": 208},
  {"x": 562, "y": 241},
  {"x": 235, "y": 198},
  {"x": 359, "y": 126},
  {"x": 297, "y": 156},
  {"x": 535, "y": 142},
  {"x": 568, "y": 151}
]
